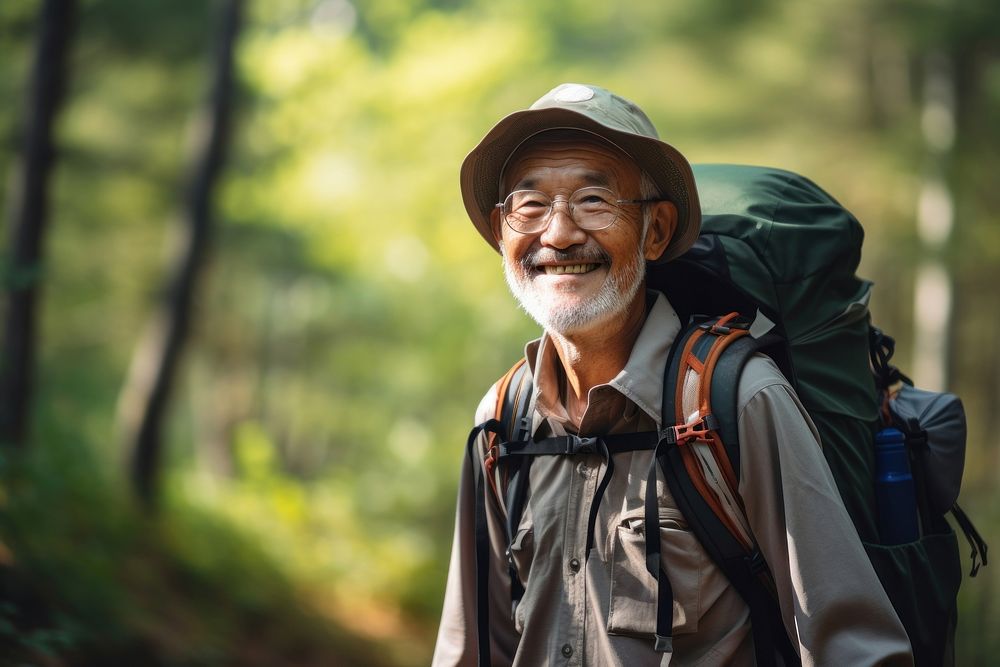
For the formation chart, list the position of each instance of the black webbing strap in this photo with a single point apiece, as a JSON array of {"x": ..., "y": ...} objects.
[
  {"x": 917, "y": 447},
  {"x": 482, "y": 542},
  {"x": 575, "y": 444},
  {"x": 515, "y": 426},
  {"x": 975, "y": 540},
  {"x": 567, "y": 445},
  {"x": 517, "y": 489},
  {"x": 595, "y": 505},
  {"x": 664, "y": 592}
]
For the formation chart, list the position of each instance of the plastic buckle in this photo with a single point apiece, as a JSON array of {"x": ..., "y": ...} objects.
[
  {"x": 916, "y": 436},
  {"x": 584, "y": 445},
  {"x": 524, "y": 427},
  {"x": 680, "y": 434},
  {"x": 726, "y": 325}
]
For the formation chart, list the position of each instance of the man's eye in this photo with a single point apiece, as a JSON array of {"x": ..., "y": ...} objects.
[
  {"x": 529, "y": 202},
  {"x": 592, "y": 200}
]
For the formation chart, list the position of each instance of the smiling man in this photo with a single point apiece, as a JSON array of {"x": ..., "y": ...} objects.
[{"x": 578, "y": 195}]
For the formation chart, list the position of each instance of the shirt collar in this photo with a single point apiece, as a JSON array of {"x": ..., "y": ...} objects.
[{"x": 640, "y": 381}]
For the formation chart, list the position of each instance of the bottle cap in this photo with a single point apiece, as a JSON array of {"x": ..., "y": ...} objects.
[{"x": 889, "y": 435}]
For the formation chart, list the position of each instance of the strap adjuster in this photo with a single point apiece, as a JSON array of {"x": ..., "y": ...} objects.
[
  {"x": 697, "y": 430},
  {"x": 726, "y": 325},
  {"x": 575, "y": 444}
]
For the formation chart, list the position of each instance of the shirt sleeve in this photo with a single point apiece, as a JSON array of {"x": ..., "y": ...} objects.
[
  {"x": 832, "y": 603},
  {"x": 457, "y": 640}
]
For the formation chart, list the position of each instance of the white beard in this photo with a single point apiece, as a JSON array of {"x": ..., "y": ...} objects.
[{"x": 550, "y": 308}]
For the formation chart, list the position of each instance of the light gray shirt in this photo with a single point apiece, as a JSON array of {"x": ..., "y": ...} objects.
[{"x": 600, "y": 608}]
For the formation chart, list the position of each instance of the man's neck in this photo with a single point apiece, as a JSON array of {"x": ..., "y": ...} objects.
[{"x": 596, "y": 355}]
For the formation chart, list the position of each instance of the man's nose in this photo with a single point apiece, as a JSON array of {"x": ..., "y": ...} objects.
[{"x": 562, "y": 230}]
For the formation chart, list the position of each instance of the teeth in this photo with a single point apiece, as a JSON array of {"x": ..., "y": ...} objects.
[{"x": 572, "y": 268}]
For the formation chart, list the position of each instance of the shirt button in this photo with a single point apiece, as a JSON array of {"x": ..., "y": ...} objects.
[
  {"x": 574, "y": 564},
  {"x": 583, "y": 469},
  {"x": 567, "y": 650}
]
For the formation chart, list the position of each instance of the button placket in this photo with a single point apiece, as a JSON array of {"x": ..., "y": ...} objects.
[{"x": 578, "y": 503}]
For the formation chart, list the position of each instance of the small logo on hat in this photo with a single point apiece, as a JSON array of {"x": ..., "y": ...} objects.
[{"x": 574, "y": 92}]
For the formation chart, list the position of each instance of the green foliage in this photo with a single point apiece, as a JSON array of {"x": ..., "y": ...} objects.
[
  {"x": 89, "y": 580},
  {"x": 351, "y": 318}
]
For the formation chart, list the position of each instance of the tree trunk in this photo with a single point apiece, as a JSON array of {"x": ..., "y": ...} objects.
[
  {"x": 144, "y": 399},
  {"x": 932, "y": 311},
  {"x": 28, "y": 215}
]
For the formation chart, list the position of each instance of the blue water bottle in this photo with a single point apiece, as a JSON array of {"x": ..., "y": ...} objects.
[{"x": 894, "y": 489}]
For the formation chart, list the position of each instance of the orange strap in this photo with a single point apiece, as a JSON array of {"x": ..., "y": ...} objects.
[
  {"x": 698, "y": 479},
  {"x": 705, "y": 371},
  {"x": 502, "y": 385}
]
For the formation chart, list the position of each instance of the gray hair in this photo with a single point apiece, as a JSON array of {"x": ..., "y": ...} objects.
[{"x": 647, "y": 190}]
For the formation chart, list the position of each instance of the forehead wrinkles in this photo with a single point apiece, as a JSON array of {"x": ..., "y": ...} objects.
[
  {"x": 540, "y": 177},
  {"x": 580, "y": 162}
]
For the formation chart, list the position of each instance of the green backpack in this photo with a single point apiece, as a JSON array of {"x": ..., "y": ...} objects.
[
  {"x": 779, "y": 255},
  {"x": 774, "y": 242}
]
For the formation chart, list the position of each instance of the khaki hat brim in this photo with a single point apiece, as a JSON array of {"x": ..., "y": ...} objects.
[{"x": 482, "y": 167}]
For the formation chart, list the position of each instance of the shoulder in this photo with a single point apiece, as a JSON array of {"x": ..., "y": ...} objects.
[
  {"x": 765, "y": 394},
  {"x": 761, "y": 374},
  {"x": 489, "y": 405},
  {"x": 768, "y": 405},
  {"x": 487, "y": 408}
]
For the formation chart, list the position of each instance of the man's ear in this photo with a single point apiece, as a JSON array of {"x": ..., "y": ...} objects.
[
  {"x": 662, "y": 224},
  {"x": 496, "y": 226}
]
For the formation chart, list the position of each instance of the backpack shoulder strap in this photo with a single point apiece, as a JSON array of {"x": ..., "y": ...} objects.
[
  {"x": 723, "y": 389},
  {"x": 700, "y": 394},
  {"x": 513, "y": 400},
  {"x": 509, "y": 482}
]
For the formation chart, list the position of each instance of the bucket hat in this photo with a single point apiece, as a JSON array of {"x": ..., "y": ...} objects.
[{"x": 597, "y": 111}]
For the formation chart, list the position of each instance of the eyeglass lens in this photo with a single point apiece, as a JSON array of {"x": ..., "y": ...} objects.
[{"x": 592, "y": 208}]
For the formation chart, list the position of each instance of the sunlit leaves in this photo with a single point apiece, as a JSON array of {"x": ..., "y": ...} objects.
[{"x": 352, "y": 317}]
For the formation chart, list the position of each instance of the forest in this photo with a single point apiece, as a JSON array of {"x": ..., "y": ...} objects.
[{"x": 247, "y": 320}]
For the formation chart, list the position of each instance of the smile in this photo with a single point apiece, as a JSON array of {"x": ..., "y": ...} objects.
[{"x": 567, "y": 268}]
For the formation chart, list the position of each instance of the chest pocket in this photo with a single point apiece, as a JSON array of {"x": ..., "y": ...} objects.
[{"x": 632, "y": 608}]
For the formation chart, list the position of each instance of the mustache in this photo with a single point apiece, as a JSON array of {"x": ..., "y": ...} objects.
[{"x": 585, "y": 255}]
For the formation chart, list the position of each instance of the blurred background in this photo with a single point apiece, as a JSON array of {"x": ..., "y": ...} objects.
[{"x": 247, "y": 319}]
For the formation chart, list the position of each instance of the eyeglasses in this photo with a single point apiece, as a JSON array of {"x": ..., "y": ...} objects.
[{"x": 592, "y": 208}]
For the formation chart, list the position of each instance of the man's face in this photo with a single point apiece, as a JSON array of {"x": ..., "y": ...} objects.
[{"x": 567, "y": 278}]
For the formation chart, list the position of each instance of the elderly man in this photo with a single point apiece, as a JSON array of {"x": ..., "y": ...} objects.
[{"x": 578, "y": 194}]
